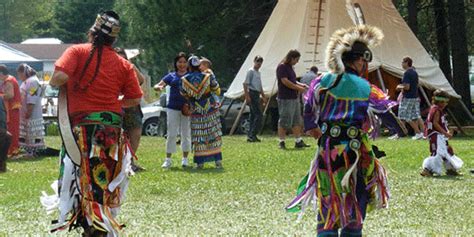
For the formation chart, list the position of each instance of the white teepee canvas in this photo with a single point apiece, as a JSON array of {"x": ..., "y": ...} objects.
[{"x": 307, "y": 25}]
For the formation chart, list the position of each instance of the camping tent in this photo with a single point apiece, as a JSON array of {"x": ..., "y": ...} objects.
[
  {"x": 307, "y": 25},
  {"x": 12, "y": 58}
]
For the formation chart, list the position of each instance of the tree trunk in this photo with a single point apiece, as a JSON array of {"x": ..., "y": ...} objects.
[
  {"x": 442, "y": 39},
  {"x": 457, "y": 32},
  {"x": 413, "y": 16}
]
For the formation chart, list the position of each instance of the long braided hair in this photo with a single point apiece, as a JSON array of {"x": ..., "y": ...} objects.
[{"x": 99, "y": 39}]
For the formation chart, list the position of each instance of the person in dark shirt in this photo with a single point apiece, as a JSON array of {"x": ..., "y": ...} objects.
[
  {"x": 5, "y": 137},
  {"x": 289, "y": 107},
  {"x": 409, "y": 109}
]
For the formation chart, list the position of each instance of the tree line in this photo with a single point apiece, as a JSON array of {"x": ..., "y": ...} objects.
[{"x": 225, "y": 30}]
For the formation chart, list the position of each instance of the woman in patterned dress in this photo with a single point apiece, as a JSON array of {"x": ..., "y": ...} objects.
[{"x": 199, "y": 87}]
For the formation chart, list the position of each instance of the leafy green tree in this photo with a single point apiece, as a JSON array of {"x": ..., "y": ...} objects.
[
  {"x": 223, "y": 32},
  {"x": 458, "y": 38},
  {"x": 22, "y": 19},
  {"x": 72, "y": 19},
  {"x": 442, "y": 38}
]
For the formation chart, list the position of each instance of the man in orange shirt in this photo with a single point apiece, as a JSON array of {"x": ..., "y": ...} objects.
[{"x": 93, "y": 76}]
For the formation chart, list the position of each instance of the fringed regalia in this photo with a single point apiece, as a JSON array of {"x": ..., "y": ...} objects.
[
  {"x": 205, "y": 119},
  {"x": 31, "y": 136},
  {"x": 91, "y": 194},
  {"x": 441, "y": 153},
  {"x": 344, "y": 176}
]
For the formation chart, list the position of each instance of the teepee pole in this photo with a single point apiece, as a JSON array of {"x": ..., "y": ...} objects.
[
  {"x": 264, "y": 119},
  {"x": 237, "y": 120},
  {"x": 458, "y": 125},
  {"x": 382, "y": 84},
  {"x": 464, "y": 107},
  {"x": 428, "y": 101}
]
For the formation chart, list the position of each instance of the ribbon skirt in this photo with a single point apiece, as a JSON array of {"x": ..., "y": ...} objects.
[{"x": 91, "y": 194}]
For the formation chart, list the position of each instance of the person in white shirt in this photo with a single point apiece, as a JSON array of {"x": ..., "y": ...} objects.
[{"x": 253, "y": 90}]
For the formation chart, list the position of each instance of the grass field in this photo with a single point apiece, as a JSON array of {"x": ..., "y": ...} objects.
[{"x": 248, "y": 196}]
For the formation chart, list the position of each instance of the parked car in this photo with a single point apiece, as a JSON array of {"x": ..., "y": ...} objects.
[
  {"x": 154, "y": 119},
  {"x": 227, "y": 121}
]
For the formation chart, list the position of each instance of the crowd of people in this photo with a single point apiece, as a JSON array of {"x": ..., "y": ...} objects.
[{"x": 101, "y": 131}]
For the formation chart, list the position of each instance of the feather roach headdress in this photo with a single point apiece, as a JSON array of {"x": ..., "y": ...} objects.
[{"x": 349, "y": 43}]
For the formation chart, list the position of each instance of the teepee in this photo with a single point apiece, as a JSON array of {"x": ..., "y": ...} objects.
[{"x": 307, "y": 25}]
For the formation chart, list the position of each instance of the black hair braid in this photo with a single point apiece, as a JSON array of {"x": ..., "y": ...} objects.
[
  {"x": 334, "y": 84},
  {"x": 97, "y": 45},
  {"x": 89, "y": 58}
]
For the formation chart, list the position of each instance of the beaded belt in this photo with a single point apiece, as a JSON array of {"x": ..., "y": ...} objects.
[{"x": 351, "y": 133}]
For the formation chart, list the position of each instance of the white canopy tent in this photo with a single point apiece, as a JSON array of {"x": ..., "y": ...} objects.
[
  {"x": 307, "y": 25},
  {"x": 12, "y": 58},
  {"x": 11, "y": 55}
]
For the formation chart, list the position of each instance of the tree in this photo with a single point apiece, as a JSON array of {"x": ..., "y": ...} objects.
[
  {"x": 442, "y": 38},
  {"x": 457, "y": 32},
  {"x": 223, "y": 32},
  {"x": 22, "y": 19},
  {"x": 74, "y": 18},
  {"x": 413, "y": 16}
]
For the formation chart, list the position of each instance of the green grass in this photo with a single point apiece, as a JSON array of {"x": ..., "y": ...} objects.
[{"x": 248, "y": 197}]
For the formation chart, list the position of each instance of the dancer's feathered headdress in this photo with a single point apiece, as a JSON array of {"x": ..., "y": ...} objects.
[{"x": 350, "y": 42}]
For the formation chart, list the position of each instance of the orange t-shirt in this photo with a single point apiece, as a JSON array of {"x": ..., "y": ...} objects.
[{"x": 116, "y": 77}]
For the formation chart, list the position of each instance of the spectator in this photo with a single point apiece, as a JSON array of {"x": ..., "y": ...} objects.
[
  {"x": 31, "y": 114},
  {"x": 253, "y": 90},
  {"x": 289, "y": 107},
  {"x": 309, "y": 76},
  {"x": 177, "y": 122},
  {"x": 409, "y": 109},
  {"x": 133, "y": 116},
  {"x": 10, "y": 91}
]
